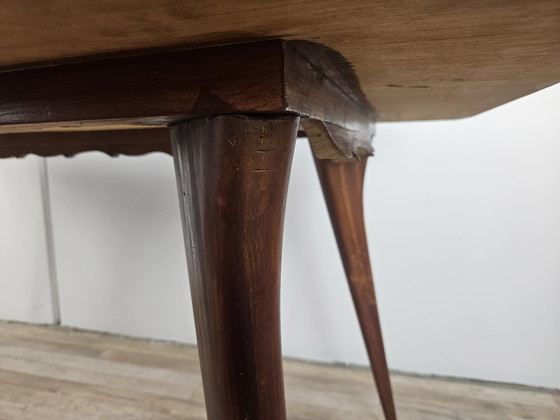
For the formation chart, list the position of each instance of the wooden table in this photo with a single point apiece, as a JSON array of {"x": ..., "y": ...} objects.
[{"x": 235, "y": 82}]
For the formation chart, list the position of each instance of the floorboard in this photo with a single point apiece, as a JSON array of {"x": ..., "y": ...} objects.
[{"x": 53, "y": 373}]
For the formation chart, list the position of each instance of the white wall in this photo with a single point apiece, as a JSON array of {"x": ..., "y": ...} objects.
[
  {"x": 120, "y": 253},
  {"x": 464, "y": 220},
  {"x": 24, "y": 269},
  {"x": 464, "y": 226}
]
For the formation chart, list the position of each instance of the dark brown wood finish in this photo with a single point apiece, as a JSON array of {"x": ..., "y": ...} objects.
[
  {"x": 232, "y": 173},
  {"x": 70, "y": 143},
  {"x": 342, "y": 184},
  {"x": 145, "y": 89},
  {"x": 322, "y": 86},
  {"x": 156, "y": 89},
  {"x": 232, "y": 170},
  {"x": 132, "y": 142}
]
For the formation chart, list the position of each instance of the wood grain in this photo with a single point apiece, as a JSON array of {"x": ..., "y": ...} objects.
[
  {"x": 112, "y": 142},
  {"x": 342, "y": 184},
  {"x": 275, "y": 76},
  {"x": 70, "y": 143},
  {"x": 53, "y": 373},
  {"x": 152, "y": 89},
  {"x": 321, "y": 84},
  {"x": 232, "y": 173},
  {"x": 429, "y": 59},
  {"x": 335, "y": 143}
]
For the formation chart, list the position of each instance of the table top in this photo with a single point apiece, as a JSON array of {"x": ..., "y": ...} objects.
[{"x": 416, "y": 60}]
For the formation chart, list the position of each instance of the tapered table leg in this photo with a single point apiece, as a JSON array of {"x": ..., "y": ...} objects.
[
  {"x": 342, "y": 184},
  {"x": 232, "y": 172}
]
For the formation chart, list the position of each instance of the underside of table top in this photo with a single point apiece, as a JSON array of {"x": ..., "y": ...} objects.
[{"x": 415, "y": 60}]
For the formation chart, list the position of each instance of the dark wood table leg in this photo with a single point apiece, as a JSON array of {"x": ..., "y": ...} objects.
[
  {"x": 232, "y": 172},
  {"x": 342, "y": 184}
]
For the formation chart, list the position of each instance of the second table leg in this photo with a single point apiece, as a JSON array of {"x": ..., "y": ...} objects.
[{"x": 342, "y": 184}]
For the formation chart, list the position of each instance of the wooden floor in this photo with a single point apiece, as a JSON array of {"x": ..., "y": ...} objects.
[{"x": 49, "y": 373}]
